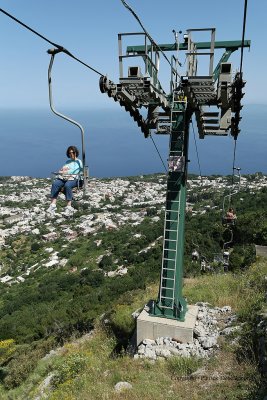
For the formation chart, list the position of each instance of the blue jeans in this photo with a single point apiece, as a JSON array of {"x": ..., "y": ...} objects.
[{"x": 58, "y": 184}]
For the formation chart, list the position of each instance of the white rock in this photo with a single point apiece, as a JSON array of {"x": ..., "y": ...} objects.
[
  {"x": 200, "y": 315},
  {"x": 120, "y": 386},
  {"x": 229, "y": 330},
  {"x": 165, "y": 353},
  {"x": 49, "y": 249},
  {"x": 158, "y": 351},
  {"x": 229, "y": 320},
  {"x": 141, "y": 349},
  {"x": 212, "y": 311},
  {"x": 159, "y": 341},
  {"x": 136, "y": 314},
  {"x": 181, "y": 346},
  {"x": 149, "y": 342},
  {"x": 166, "y": 341},
  {"x": 174, "y": 351},
  {"x": 43, "y": 386},
  {"x": 208, "y": 342},
  {"x": 199, "y": 331},
  {"x": 226, "y": 309},
  {"x": 150, "y": 354},
  {"x": 185, "y": 353}
]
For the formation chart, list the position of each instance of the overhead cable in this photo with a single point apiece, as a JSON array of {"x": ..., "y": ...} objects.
[
  {"x": 196, "y": 150},
  {"x": 159, "y": 154},
  {"x": 239, "y": 83},
  {"x": 233, "y": 173},
  {"x": 243, "y": 36},
  {"x": 61, "y": 48},
  {"x": 146, "y": 32}
]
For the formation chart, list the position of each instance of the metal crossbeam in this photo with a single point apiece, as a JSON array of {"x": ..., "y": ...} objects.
[{"x": 232, "y": 45}]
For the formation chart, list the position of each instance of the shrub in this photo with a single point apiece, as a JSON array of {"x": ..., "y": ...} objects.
[
  {"x": 69, "y": 368},
  {"x": 122, "y": 322},
  {"x": 18, "y": 370},
  {"x": 92, "y": 278},
  {"x": 7, "y": 348},
  {"x": 24, "y": 360},
  {"x": 235, "y": 261},
  {"x": 35, "y": 246},
  {"x": 105, "y": 262}
]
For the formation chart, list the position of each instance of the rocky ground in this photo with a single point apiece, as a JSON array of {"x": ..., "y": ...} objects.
[{"x": 210, "y": 325}]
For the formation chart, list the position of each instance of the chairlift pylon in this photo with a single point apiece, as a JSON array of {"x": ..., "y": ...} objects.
[{"x": 85, "y": 174}]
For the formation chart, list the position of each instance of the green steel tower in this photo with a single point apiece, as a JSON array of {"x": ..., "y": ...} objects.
[{"x": 215, "y": 100}]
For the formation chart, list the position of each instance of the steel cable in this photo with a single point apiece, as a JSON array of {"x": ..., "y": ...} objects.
[
  {"x": 61, "y": 48},
  {"x": 146, "y": 32},
  {"x": 243, "y": 36},
  {"x": 196, "y": 150},
  {"x": 234, "y": 163},
  {"x": 159, "y": 154},
  {"x": 241, "y": 66}
]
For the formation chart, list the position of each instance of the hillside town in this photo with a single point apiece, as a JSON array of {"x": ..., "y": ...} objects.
[{"x": 109, "y": 204}]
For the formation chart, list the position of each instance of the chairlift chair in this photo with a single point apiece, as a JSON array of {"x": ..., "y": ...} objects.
[
  {"x": 83, "y": 177},
  {"x": 227, "y": 219},
  {"x": 226, "y": 260},
  {"x": 195, "y": 255}
]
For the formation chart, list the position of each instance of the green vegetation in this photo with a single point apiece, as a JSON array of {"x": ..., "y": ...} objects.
[
  {"x": 89, "y": 368},
  {"x": 54, "y": 306}
]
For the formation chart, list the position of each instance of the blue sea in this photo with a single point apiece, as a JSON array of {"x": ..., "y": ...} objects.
[{"x": 33, "y": 143}]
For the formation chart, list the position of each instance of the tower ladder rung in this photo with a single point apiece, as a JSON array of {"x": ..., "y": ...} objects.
[
  {"x": 166, "y": 288},
  {"x": 168, "y": 279},
  {"x": 167, "y": 307}
]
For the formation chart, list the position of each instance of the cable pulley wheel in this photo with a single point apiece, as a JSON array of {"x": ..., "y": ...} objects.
[{"x": 103, "y": 86}]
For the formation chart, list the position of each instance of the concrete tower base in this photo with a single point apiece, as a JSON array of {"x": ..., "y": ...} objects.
[{"x": 151, "y": 327}]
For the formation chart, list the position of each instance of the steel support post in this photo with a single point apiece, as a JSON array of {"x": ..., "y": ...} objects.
[{"x": 170, "y": 303}]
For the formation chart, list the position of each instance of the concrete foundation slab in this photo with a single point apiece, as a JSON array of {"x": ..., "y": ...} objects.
[{"x": 151, "y": 327}]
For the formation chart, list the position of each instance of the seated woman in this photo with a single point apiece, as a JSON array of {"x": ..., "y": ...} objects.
[
  {"x": 67, "y": 179},
  {"x": 195, "y": 255},
  {"x": 230, "y": 216}
]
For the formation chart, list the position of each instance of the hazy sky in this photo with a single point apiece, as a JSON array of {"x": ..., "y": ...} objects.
[{"x": 89, "y": 30}]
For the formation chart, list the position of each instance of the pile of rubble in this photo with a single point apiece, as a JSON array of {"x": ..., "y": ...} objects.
[{"x": 210, "y": 324}]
